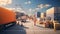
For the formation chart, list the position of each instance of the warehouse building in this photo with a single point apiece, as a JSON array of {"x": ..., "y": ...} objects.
[{"x": 53, "y": 13}]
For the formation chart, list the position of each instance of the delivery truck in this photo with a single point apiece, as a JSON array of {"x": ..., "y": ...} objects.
[{"x": 7, "y": 18}]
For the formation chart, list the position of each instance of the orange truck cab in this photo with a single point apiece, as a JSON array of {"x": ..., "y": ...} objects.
[{"x": 7, "y": 18}]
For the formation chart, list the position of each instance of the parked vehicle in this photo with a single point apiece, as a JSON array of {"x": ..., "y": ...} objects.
[
  {"x": 23, "y": 18},
  {"x": 7, "y": 18}
]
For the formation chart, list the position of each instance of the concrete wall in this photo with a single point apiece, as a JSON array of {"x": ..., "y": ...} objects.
[{"x": 50, "y": 13}]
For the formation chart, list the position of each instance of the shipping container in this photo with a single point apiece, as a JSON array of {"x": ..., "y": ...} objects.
[{"x": 7, "y": 18}]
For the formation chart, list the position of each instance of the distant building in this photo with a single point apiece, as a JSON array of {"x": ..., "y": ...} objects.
[
  {"x": 43, "y": 15},
  {"x": 37, "y": 14},
  {"x": 19, "y": 14},
  {"x": 53, "y": 13}
]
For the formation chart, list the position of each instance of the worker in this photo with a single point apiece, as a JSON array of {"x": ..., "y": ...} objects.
[{"x": 34, "y": 19}]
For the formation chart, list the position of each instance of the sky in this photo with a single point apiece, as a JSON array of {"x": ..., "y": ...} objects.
[{"x": 31, "y": 6}]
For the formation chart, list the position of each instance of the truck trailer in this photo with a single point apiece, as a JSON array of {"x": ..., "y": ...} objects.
[{"x": 7, "y": 18}]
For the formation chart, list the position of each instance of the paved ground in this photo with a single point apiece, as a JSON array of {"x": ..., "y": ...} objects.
[{"x": 28, "y": 28}]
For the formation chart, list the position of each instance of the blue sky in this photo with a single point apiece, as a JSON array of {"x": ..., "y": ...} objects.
[{"x": 33, "y": 4}]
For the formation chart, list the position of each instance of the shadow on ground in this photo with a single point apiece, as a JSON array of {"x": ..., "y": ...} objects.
[{"x": 15, "y": 29}]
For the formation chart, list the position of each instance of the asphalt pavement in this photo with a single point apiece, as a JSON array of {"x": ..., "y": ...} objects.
[{"x": 28, "y": 28}]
